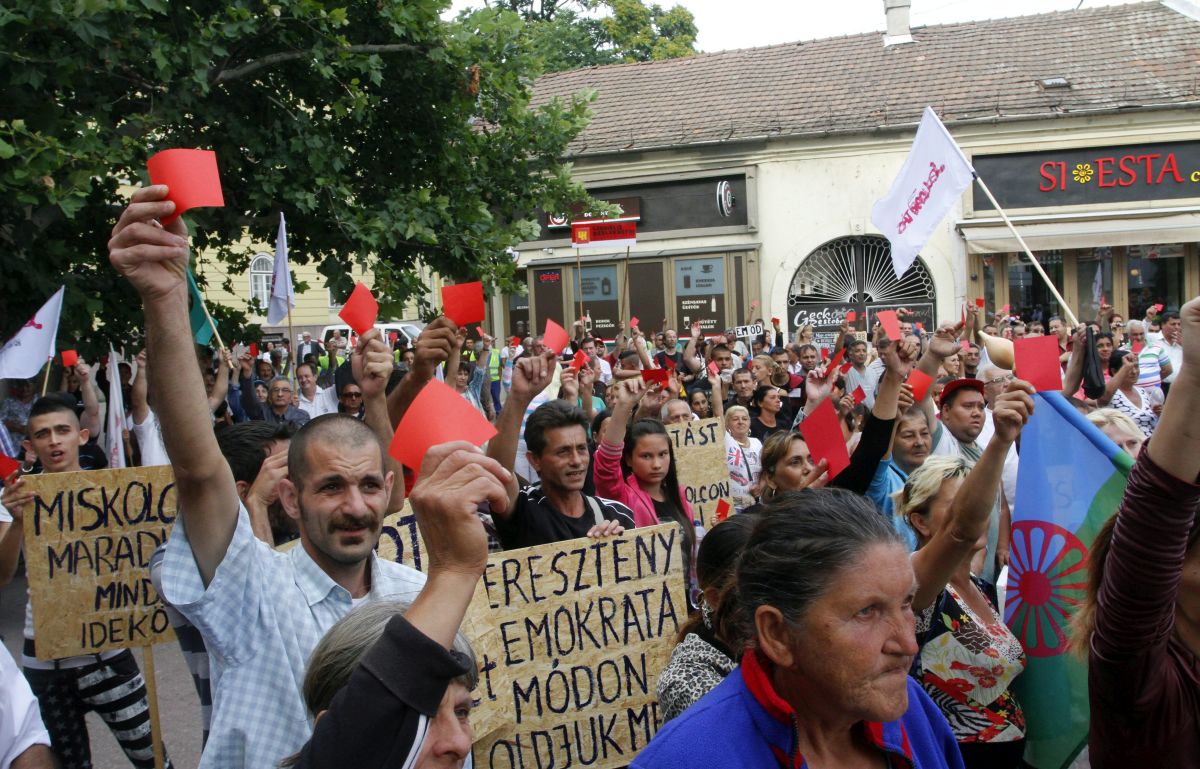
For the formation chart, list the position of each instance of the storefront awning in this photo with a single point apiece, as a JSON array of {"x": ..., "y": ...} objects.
[{"x": 1087, "y": 230}]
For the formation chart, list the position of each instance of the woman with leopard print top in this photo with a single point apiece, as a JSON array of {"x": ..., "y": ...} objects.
[{"x": 701, "y": 660}]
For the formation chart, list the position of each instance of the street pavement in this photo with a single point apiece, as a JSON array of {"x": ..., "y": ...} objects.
[{"x": 178, "y": 707}]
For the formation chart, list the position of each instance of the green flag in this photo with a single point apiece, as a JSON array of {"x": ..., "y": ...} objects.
[{"x": 202, "y": 332}]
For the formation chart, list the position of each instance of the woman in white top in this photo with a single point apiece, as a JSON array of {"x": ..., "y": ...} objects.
[
  {"x": 1141, "y": 404},
  {"x": 743, "y": 454}
]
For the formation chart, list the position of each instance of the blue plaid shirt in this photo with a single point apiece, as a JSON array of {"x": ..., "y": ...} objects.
[{"x": 261, "y": 617}]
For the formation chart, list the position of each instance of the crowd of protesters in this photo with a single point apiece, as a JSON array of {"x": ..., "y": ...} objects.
[{"x": 825, "y": 613}]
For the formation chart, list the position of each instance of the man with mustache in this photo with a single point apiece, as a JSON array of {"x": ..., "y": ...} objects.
[{"x": 261, "y": 612}]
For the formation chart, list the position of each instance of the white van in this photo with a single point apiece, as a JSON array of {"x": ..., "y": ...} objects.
[{"x": 407, "y": 329}]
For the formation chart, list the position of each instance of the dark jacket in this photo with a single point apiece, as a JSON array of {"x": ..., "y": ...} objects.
[
  {"x": 264, "y": 413},
  {"x": 379, "y": 718},
  {"x": 1143, "y": 683}
]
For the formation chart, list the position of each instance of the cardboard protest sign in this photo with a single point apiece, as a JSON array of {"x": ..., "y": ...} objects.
[
  {"x": 88, "y": 541},
  {"x": 571, "y": 638},
  {"x": 400, "y": 541},
  {"x": 699, "y": 448}
]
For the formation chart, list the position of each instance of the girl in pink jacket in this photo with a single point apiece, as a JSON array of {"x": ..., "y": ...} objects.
[{"x": 635, "y": 465}]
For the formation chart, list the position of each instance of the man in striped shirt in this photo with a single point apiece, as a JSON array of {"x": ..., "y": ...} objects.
[{"x": 1153, "y": 363}]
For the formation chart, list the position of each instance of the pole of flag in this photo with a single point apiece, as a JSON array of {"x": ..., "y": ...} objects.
[
  {"x": 625, "y": 288},
  {"x": 1033, "y": 259},
  {"x": 293, "y": 362},
  {"x": 46, "y": 376},
  {"x": 212, "y": 324}
]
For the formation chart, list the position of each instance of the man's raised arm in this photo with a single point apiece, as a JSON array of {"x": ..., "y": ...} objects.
[{"x": 155, "y": 260}]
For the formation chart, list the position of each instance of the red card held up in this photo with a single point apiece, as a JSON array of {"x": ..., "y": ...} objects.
[
  {"x": 479, "y": 330},
  {"x": 1037, "y": 362},
  {"x": 393, "y": 336},
  {"x": 515, "y": 341},
  {"x": 858, "y": 395},
  {"x": 70, "y": 358},
  {"x": 655, "y": 375},
  {"x": 846, "y": 368},
  {"x": 555, "y": 337},
  {"x": 463, "y": 303},
  {"x": 253, "y": 350},
  {"x": 979, "y": 302},
  {"x": 712, "y": 369},
  {"x": 191, "y": 177},
  {"x": 851, "y": 316},
  {"x": 669, "y": 363},
  {"x": 579, "y": 361},
  {"x": 8, "y": 466},
  {"x": 437, "y": 415},
  {"x": 633, "y": 322},
  {"x": 837, "y": 358},
  {"x": 822, "y": 431},
  {"x": 824, "y": 353},
  {"x": 360, "y": 310},
  {"x": 890, "y": 323},
  {"x": 723, "y": 509},
  {"x": 1138, "y": 347},
  {"x": 920, "y": 382}
]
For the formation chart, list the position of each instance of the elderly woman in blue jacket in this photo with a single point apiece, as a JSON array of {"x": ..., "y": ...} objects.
[{"x": 823, "y": 609}]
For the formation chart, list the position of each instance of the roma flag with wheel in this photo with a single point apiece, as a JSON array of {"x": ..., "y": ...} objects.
[{"x": 1070, "y": 480}]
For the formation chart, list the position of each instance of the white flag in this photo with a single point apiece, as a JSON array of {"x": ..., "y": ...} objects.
[
  {"x": 33, "y": 345},
  {"x": 114, "y": 424},
  {"x": 1098, "y": 285},
  {"x": 282, "y": 296},
  {"x": 934, "y": 175}
]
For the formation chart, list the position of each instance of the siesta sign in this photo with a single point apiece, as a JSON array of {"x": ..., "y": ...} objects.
[{"x": 1132, "y": 173}]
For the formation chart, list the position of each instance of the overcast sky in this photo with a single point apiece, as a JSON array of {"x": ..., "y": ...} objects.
[{"x": 725, "y": 24}]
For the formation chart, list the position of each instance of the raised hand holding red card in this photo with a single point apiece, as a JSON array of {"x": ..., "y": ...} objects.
[
  {"x": 822, "y": 431},
  {"x": 920, "y": 383},
  {"x": 360, "y": 310},
  {"x": 69, "y": 358},
  {"x": 890, "y": 322},
  {"x": 1037, "y": 362},
  {"x": 437, "y": 415},
  {"x": 191, "y": 178},
  {"x": 555, "y": 337},
  {"x": 463, "y": 303}
]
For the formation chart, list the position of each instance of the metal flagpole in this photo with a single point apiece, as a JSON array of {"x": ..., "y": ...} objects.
[{"x": 1036, "y": 264}]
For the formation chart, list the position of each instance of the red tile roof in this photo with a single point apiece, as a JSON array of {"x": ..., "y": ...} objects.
[{"x": 1125, "y": 57}]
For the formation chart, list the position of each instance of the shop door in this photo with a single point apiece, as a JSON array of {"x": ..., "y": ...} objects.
[{"x": 855, "y": 273}]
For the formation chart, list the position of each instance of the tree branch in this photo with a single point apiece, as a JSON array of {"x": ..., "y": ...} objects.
[{"x": 270, "y": 60}]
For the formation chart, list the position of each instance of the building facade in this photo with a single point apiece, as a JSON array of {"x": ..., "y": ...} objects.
[{"x": 752, "y": 175}]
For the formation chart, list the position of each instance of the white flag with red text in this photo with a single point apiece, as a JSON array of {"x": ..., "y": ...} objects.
[
  {"x": 282, "y": 296},
  {"x": 934, "y": 175},
  {"x": 33, "y": 346}
]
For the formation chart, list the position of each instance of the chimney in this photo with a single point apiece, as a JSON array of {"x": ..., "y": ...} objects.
[{"x": 896, "y": 12}]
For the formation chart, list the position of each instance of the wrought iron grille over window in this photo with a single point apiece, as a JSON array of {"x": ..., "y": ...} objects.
[{"x": 858, "y": 271}]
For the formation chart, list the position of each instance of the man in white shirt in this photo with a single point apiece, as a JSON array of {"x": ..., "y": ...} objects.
[
  {"x": 261, "y": 612},
  {"x": 313, "y": 399},
  {"x": 1171, "y": 341},
  {"x": 605, "y": 370},
  {"x": 24, "y": 741}
]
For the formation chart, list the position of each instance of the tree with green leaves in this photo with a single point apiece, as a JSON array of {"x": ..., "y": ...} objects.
[
  {"x": 388, "y": 136},
  {"x": 580, "y": 33}
]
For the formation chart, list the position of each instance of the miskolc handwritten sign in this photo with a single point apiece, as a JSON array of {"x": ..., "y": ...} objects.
[
  {"x": 88, "y": 541},
  {"x": 699, "y": 448},
  {"x": 571, "y": 638}
]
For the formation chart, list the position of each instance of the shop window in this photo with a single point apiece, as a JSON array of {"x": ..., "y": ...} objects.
[
  {"x": 1155, "y": 277},
  {"x": 1093, "y": 280},
  {"x": 1028, "y": 295}
]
